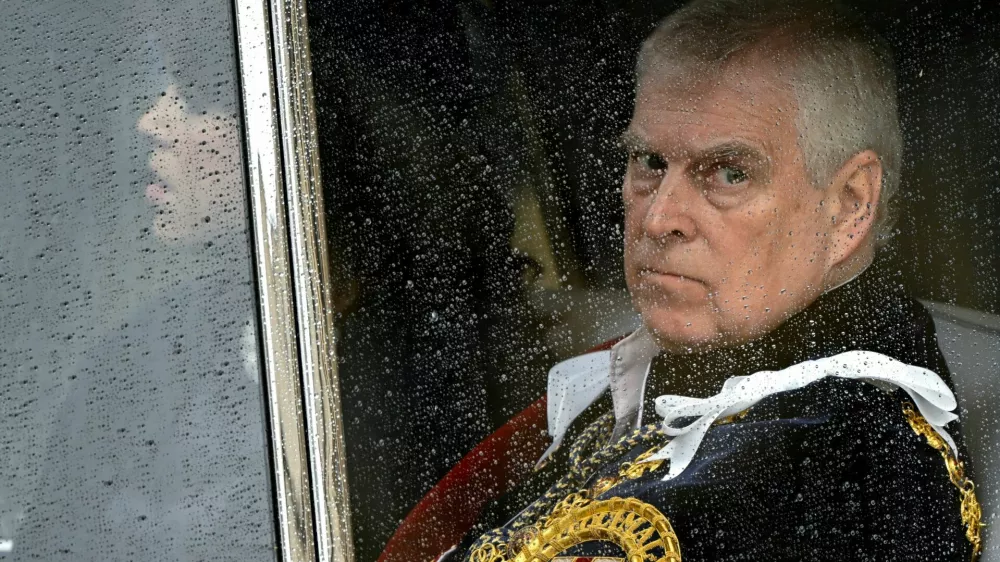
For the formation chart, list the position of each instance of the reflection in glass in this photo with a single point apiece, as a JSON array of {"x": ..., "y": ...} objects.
[
  {"x": 133, "y": 426},
  {"x": 196, "y": 160}
]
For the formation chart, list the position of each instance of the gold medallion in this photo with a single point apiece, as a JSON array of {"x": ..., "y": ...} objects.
[{"x": 636, "y": 529}]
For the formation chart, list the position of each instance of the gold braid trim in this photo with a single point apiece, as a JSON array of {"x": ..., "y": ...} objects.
[
  {"x": 972, "y": 512},
  {"x": 628, "y": 471},
  {"x": 641, "y": 465}
]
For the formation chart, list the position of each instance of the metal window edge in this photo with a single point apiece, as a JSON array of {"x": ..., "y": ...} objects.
[
  {"x": 293, "y": 273},
  {"x": 311, "y": 263}
]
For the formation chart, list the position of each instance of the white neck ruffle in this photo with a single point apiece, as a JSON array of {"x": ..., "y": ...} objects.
[{"x": 929, "y": 393}]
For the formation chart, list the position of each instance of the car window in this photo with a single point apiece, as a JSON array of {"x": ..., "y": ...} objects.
[
  {"x": 132, "y": 416},
  {"x": 473, "y": 177}
]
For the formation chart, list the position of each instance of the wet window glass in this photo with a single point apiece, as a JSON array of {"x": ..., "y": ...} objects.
[
  {"x": 748, "y": 185},
  {"x": 131, "y": 412}
]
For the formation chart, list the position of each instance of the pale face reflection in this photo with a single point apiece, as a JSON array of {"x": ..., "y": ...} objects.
[
  {"x": 196, "y": 161},
  {"x": 725, "y": 234}
]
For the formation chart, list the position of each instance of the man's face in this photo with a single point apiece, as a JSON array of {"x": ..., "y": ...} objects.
[{"x": 725, "y": 235}]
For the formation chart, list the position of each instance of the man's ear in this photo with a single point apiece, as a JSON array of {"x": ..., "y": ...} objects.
[{"x": 853, "y": 199}]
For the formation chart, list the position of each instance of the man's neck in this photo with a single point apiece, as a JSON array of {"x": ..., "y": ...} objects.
[{"x": 867, "y": 311}]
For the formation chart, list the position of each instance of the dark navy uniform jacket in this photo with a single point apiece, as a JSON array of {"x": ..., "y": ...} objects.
[{"x": 839, "y": 469}]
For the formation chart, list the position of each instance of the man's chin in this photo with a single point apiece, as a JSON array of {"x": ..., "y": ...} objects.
[{"x": 682, "y": 335}]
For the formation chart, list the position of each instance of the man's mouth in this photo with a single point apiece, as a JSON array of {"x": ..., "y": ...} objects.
[{"x": 660, "y": 275}]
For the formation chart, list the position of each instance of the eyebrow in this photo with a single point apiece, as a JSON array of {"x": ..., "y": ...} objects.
[
  {"x": 729, "y": 149},
  {"x": 632, "y": 141},
  {"x": 732, "y": 149}
]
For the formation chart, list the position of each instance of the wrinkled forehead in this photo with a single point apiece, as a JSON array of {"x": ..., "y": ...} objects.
[{"x": 748, "y": 97}]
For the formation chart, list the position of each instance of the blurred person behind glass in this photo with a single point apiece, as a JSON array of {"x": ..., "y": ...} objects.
[{"x": 159, "y": 450}]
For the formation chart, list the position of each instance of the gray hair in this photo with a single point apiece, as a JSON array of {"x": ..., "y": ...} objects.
[{"x": 842, "y": 74}]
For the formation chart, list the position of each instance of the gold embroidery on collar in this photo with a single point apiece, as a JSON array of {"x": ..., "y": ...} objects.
[
  {"x": 637, "y": 528},
  {"x": 733, "y": 418},
  {"x": 640, "y": 466},
  {"x": 972, "y": 512},
  {"x": 628, "y": 471}
]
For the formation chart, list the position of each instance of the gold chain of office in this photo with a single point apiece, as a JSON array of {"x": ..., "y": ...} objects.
[
  {"x": 972, "y": 512},
  {"x": 637, "y": 528}
]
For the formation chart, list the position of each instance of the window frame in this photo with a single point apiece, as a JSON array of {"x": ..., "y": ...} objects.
[{"x": 292, "y": 269}]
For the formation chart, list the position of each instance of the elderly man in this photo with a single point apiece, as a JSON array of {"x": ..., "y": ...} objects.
[{"x": 784, "y": 399}]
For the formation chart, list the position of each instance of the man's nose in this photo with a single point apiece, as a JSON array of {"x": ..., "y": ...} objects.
[{"x": 669, "y": 214}]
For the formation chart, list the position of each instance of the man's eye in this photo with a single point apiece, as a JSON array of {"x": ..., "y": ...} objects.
[
  {"x": 650, "y": 162},
  {"x": 729, "y": 176}
]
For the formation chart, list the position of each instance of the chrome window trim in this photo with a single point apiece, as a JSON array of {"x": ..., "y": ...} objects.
[
  {"x": 274, "y": 285},
  {"x": 293, "y": 273},
  {"x": 313, "y": 283}
]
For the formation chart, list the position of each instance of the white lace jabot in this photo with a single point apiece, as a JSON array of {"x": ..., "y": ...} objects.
[
  {"x": 576, "y": 383},
  {"x": 929, "y": 393}
]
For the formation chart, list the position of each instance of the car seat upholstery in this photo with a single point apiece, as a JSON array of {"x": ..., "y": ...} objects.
[{"x": 970, "y": 341}]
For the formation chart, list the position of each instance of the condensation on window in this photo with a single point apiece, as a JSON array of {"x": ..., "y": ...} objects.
[
  {"x": 473, "y": 181},
  {"x": 131, "y": 412}
]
